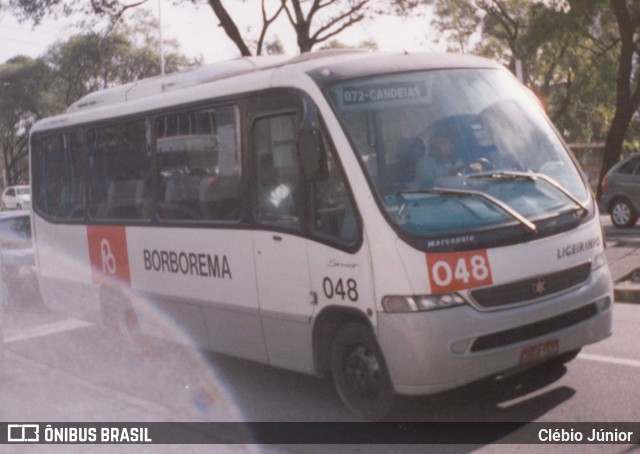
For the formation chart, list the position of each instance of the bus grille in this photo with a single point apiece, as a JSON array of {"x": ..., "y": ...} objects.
[
  {"x": 541, "y": 328},
  {"x": 532, "y": 288}
]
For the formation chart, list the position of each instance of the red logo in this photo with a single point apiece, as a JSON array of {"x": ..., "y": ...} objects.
[
  {"x": 108, "y": 254},
  {"x": 453, "y": 271}
]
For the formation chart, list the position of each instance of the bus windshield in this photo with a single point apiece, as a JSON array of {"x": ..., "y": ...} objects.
[{"x": 469, "y": 143}]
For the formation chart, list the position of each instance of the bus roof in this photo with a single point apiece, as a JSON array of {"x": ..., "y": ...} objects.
[
  {"x": 370, "y": 64},
  {"x": 175, "y": 81},
  {"x": 323, "y": 66}
]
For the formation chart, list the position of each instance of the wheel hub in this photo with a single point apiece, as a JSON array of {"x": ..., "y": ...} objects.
[
  {"x": 363, "y": 370},
  {"x": 621, "y": 213}
]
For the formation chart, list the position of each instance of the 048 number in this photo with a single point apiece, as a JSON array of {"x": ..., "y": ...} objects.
[
  {"x": 340, "y": 289},
  {"x": 456, "y": 271}
]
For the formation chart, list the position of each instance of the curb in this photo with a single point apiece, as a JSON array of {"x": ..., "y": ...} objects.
[
  {"x": 628, "y": 288},
  {"x": 626, "y": 296}
]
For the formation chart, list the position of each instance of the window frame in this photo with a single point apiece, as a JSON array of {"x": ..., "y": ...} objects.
[
  {"x": 95, "y": 220},
  {"x": 35, "y": 182},
  {"x": 299, "y": 227},
  {"x": 632, "y": 164},
  {"x": 236, "y": 105},
  {"x": 245, "y": 116}
]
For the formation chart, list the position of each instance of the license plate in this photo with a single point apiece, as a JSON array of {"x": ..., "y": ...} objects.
[{"x": 539, "y": 352}]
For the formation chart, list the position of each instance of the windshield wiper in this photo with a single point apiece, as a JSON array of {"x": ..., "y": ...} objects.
[
  {"x": 470, "y": 193},
  {"x": 511, "y": 175}
]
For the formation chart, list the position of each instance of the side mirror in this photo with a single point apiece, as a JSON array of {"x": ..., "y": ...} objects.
[{"x": 311, "y": 147}]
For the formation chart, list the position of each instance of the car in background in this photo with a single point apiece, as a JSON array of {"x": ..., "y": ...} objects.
[
  {"x": 18, "y": 280},
  {"x": 621, "y": 192},
  {"x": 17, "y": 197}
]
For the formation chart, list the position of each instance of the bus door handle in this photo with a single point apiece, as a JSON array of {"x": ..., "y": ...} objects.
[
  {"x": 314, "y": 298},
  {"x": 277, "y": 238}
]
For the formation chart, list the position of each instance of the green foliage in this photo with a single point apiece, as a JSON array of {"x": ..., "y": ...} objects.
[
  {"x": 580, "y": 57},
  {"x": 22, "y": 82},
  {"x": 457, "y": 21},
  {"x": 34, "y": 88},
  {"x": 575, "y": 84},
  {"x": 368, "y": 44},
  {"x": 274, "y": 47},
  {"x": 21, "y": 79}
]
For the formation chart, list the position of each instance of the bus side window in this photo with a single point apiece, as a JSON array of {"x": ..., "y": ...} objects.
[
  {"x": 334, "y": 215},
  {"x": 278, "y": 171},
  {"x": 199, "y": 164},
  {"x": 119, "y": 171},
  {"x": 59, "y": 167}
]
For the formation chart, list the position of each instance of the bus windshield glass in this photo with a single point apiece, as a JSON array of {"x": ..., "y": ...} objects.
[{"x": 473, "y": 144}]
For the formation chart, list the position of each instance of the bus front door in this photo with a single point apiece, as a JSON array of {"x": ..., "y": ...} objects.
[
  {"x": 286, "y": 303},
  {"x": 280, "y": 250}
]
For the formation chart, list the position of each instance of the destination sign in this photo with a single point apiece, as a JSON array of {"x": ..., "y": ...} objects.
[{"x": 376, "y": 93}]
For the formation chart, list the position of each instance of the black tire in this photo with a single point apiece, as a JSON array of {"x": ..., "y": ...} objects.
[
  {"x": 623, "y": 215},
  {"x": 360, "y": 373}
]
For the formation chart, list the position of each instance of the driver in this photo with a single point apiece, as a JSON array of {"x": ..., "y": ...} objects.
[{"x": 441, "y": 160}]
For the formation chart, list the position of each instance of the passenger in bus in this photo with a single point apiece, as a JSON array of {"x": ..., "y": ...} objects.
[
  {"x": 147, "y": 208},
  {"x": 276, "y": 197}
]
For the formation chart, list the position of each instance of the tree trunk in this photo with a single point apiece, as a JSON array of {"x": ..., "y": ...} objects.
[
  {"x": 614, "y": 142},
  {"x": 304, "y": 44},
  {"x": 627, "y": 99},
  {"x": 229, "y": 27}
]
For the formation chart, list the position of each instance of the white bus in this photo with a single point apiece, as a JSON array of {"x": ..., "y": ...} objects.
[{"x": 408, "y": 223}]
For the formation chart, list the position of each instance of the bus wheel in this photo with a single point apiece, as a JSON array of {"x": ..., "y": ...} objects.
[{"x": 359, "y": 372}]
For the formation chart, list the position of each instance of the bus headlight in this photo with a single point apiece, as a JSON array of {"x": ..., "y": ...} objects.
[
  {"x": 400, "y": 303},
  {"x": 598, "y": 261}
]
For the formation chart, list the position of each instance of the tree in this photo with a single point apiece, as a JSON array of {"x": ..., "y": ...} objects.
[
  {"x": 274, "y": 47},
  {"x": 369, "y": 45},
  {"x": 457, "y": 21},
  {"x": 313, "y": 21},
  {"x": 558, "y": 62},
  {"x": 341, "y": 14},
  {"x": 229, "y": 26},
  {"x": 34, "y": 88},
  {"x": 95, "y": 61},
  {"x": 24, "y": 83},
  {"x": 94, "y": 10},
  {"x": 614, "y": 26},
  {"x": 142, "y": 31},
  {"x": 538, "y": 35},
  {"x": 580, "y": 56}
]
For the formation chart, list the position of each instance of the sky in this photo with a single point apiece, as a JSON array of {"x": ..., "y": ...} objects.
[{"x": 195, "y": 28}]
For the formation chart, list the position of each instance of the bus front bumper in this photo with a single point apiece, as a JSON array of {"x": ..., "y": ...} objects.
[{"x": 433, "y": 351}]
